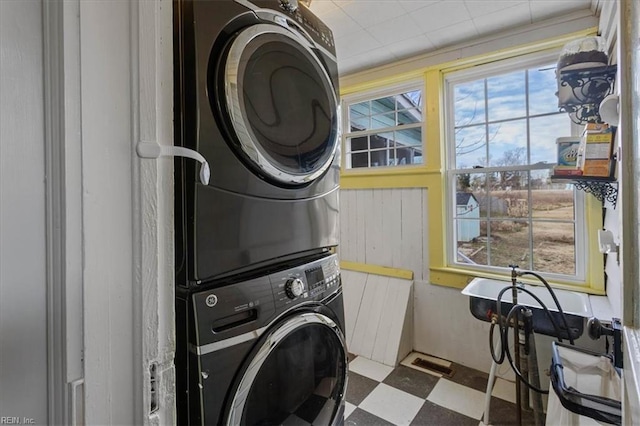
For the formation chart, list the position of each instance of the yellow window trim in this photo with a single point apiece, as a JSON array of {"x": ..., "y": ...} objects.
[
  {"x": 377, "y": 270},
  {"x": 431, "y": 174}
]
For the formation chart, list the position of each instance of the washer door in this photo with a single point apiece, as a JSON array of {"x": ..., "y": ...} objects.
[
  {"x": 297, "y": 376},
  {"x": 281, "y": 103}
]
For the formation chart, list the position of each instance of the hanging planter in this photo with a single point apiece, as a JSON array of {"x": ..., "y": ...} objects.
[{"x": 584, "y": 79}]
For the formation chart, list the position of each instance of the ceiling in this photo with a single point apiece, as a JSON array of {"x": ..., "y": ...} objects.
[{"x": 369, "y": 33}]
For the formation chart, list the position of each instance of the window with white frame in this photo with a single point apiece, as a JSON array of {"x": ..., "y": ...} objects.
[
  {"x": 384, "y": 128},
  {"x": 502, "y": 124}
]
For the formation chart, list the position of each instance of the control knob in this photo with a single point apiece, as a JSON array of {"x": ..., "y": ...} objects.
[{"x": 294, "y": 288}]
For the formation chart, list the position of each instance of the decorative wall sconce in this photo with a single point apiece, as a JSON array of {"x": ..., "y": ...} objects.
[
  {"x": 580, "y": 91},
  {"x": 584, "y": 79}
]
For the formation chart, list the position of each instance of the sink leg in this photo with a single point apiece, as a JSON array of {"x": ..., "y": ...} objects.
[{"x": 487, "y": 396}]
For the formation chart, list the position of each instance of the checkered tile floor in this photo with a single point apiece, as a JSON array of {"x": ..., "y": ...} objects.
[{"x": 381, "y": 395}]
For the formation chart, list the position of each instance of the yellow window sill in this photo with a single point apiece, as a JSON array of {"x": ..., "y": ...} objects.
[{"x": 459, "y": 278}]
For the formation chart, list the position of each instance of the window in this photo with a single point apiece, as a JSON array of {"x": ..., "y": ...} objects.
[
  {"x": 502, "y": 124},
  {"x": 385, "y": 128}
]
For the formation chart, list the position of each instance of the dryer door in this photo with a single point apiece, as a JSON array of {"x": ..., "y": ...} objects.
[
  {"x": 297, "y": 376},
  {"x": 281, "y": 104}
]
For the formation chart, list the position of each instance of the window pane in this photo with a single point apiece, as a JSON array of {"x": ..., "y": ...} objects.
[
  {"x": 542, "y": 90},
  {"x": 381, "y": 140},
  {"x": 554, "y": 204},
  {"x": 468, "y": 101},
  {"x": 414, "y": 98},
  {"x": 409, "y": 137},
  {"x": 508, "y": 243},
  {"x": 554, "y": 247},
  {"x": 360, "y": 160},
  {"x": 471, "y": 148},
  {"x": 506, "y": 96},
  {"x": 358, "y": 144},
  {"x": 382, "y": 105},
  {"x": 473, "y": 251},
  {"x": 392, "y": 124},
  {"x": 508, "y": 143},
  {"x": 384, "y": 157},
  {"x": 409, "y": 116},
  {"x": 383, "y": 120},
  {"x": 544, "y": 132},
  {"x": 359, "y": 116},
  {"x": 408, "y": 156}
]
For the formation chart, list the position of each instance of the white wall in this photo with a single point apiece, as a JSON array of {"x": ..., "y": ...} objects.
[
  {"x": 23, "y": 291},
  {"x": 385, "y": 227},
  {"x": 86, "y": 260}
]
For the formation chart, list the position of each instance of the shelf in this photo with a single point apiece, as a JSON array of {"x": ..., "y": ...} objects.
[{"x": 603, "y": 188}]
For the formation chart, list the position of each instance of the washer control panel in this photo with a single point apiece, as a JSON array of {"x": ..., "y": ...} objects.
[
  {"x": 226, "y": 311},
  {"x": 312, "y": 281}
]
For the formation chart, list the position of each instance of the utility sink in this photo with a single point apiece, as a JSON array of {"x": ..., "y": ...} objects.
[{"x": 483, "y": 295}]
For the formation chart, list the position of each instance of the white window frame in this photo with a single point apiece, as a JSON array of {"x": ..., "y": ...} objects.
[
  {"x": 480, "y": 72},
  {"x": 347, "y": 101}
]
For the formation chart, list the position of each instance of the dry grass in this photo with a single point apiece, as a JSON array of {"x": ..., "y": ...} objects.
[{"x": 553, "y": 248}]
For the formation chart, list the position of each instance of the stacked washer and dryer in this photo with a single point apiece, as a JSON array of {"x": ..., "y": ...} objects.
[{"x": 259, "y": 310}]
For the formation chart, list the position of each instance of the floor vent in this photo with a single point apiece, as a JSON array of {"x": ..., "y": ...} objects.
[{"x": 428, "y": 365}]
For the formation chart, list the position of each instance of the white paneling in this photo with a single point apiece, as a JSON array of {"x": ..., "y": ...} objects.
[
  {"x": 383, "y": 337},
  {"x": 374, "y": 299},
  {"x": 107, "y": 211},
  {"x": 414, "y": 227},
  {"x": 373, "y": 217},
  {"x": 392, "y": 226},
  {"x": 360, "y": 326},
  {"x": 23, "y": 279},
  {"x": 399, "y": 312},
  {"x": 378, "y": 315},
  {"x": 352, "y": 290},
  {"x": 385, "y": 227},
  {"x": 363, "y": 201}
]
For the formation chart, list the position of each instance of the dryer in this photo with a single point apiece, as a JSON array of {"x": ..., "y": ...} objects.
[
  {"x": 265, "y": 350},
  {"x": 257, "y": 95}
]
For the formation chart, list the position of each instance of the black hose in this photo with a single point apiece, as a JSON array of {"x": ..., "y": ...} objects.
[
  {"x": 505, "y": 345},
  {"x": 556, "y": 327},
  {"x": 555, "y": 299},
  {"x": 503, "y": 327}
]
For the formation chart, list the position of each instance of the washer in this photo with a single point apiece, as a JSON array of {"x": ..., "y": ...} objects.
[
  {"x": 256, "y": 94},
  {"x": 267, "y": 350}
]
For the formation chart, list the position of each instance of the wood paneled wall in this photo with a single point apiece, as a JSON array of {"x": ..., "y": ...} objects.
[
  {"x": 385, "y": 227},
  {"x": 378, "y": 316}
]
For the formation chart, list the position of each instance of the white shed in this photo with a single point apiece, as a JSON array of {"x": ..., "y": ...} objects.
[{"x": 467, "y": 216}]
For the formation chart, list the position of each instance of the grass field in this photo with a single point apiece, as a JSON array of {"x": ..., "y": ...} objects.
[{"x": 507, "y": 241}]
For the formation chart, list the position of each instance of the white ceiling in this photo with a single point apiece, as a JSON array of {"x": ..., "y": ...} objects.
[{"x": 375, "y": 32}]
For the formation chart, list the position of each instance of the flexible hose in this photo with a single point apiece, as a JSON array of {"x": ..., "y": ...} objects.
[
  {"x": 555, "y": 299},
  {"x": 505, "y": 345},
  {"x": 503, "y": 327},
  {"x": 557, "y": 328}
]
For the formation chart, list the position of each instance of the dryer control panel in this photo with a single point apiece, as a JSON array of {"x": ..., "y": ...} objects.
[{"x": 302, "y": 16}]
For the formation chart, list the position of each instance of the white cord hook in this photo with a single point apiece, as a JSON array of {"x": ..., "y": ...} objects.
[{"x": 155, "y": 150}]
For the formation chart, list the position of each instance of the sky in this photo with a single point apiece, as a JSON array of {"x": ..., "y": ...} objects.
[{"x": 506, "y": 100}]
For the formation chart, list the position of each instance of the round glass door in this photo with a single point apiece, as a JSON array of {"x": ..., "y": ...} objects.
[
  {"x": 298, "y": 376},
  {"x": 281, "y": 103}
]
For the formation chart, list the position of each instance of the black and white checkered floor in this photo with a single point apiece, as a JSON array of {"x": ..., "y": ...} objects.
[{"x": 408, "y": 395}]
